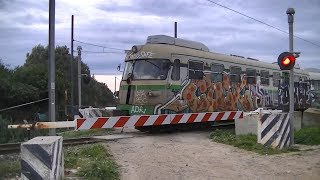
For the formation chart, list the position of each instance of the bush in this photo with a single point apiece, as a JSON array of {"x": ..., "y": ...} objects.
[
  {"x": 9, "y": 169},
  {"x": 247, "y": 142},
  {"x": 308, "y": 136},
  {"x": 10, "y": 135},
  {"x": 93, "y": 161}
]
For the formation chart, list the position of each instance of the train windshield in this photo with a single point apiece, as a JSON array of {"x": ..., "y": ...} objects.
[{"x": 147, "y": 69}]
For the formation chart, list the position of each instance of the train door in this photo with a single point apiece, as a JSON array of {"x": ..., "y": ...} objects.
[
  {"x": 179, "y": 70},
  {"x": 175, "y": 77}
]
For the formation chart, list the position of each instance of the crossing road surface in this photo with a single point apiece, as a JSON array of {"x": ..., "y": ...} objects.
[{"x": 192, "y": 155}]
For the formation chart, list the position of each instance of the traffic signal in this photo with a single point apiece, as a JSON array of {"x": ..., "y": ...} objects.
[{"x": 286, "y": 61}]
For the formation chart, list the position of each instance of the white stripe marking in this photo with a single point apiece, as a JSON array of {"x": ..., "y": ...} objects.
[
  {"x": 185, "y": 118},
  {"x": 285, "y": 136},
  {"x": 281, "y": 133},
  {"x": 288, "y": 142},
  {"x": 111, "y": 122},
  {"x": 226, "y": 115},
  {"x": 267, "y": 121},
  {"x": 237, "y": 115},
  {"x": 54, "y": 162},
  {"x": 88, "y": 122},
  {"x": 213, "y": 116},
  {"x": 167, "y": 120},
  {"x": 132, "y": 121},
  {"x": 269, "y": 134},
  {"x": 199, "y": 117},
  {"x": 151, "y": 120},
  {"x": 34, "y": 162}
]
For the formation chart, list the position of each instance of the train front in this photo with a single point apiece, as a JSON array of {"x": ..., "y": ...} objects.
[{"x": 144, "y": 82}]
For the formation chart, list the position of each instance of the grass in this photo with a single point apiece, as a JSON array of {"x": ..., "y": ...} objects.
[
  {"x": 93, "y": 162},
  {"x": 247, "y": 142},
  {"x": 9, "y": 169},
  {"x": 308, "y": 136},
  {"x": 85, "y": 133}
]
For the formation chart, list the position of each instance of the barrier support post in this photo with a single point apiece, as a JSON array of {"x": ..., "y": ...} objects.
[{"x": 42, "y": 158}]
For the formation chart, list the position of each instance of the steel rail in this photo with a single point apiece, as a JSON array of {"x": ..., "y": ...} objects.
[{"x": 10, "y": 148}]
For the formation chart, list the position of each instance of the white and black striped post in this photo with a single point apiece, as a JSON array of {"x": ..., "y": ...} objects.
[
  {"x": 274, "y": 130},
  {"x": 42, "y": 158}
]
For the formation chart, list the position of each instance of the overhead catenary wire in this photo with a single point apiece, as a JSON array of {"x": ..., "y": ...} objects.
[
  {"x": 13, "y": 107},
  {"x": 91, "y": 44},
  {"x": 262, "y": 22},
  {"x": 103, "y": 52}
]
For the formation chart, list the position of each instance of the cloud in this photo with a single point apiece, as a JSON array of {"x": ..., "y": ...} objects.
[{"x": 124, "y": 23}]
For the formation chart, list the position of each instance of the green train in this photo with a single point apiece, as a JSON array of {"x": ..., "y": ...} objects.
[{"x": 168, "y": 75}]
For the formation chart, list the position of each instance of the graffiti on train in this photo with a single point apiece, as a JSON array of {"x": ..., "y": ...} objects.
[
  {"x": 206, "y": 96},
  {"x": 302, "y": 96}
]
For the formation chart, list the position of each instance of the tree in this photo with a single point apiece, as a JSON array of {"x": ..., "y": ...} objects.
[{"x": 30, "y": 82}]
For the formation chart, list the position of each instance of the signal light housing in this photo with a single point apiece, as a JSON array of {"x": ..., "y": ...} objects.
[{"x": 286, "y": 61}]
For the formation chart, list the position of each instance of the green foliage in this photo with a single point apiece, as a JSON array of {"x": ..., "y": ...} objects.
[
  {"x": 93, "y": 160},
  {"x": 99, "y": 170},
  {"x": 9, "y": 169},
  {"x": 10, "y": 135},
  {"x": 84, "y": 133},
  {"x": 247, "y": 142},
  {"x": 29, "y": 83},
  {"x": 307, "y": 136}
]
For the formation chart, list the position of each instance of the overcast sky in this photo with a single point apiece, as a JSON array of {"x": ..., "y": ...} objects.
[{"x": 123, "y": 23}]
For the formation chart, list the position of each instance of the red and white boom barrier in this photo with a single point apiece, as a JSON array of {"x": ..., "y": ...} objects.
[
  {"x": 135, "y": 120},
  {"x": 155, "y": 120}
]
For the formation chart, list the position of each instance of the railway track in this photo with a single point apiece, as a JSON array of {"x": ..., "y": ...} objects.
[{"x": 10, "y": 148}]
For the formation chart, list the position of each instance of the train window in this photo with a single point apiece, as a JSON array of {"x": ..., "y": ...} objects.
[
  {"x": 264, "y": 76},
  {"x": 251, "y": 76},
  {"x": 217, "y": 70},
  {"x": 235, "y": 73},
  {"x": 196, "y": 70},
  {"x": 176, "y": 70},
  {"x": 276, "y": 79},
  {"x": 151, "y": 69}
]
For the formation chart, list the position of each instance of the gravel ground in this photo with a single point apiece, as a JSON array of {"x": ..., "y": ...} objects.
[{"x": 192, "y": 155}]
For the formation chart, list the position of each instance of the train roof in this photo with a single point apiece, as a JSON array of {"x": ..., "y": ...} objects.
[{"x": 162, "y": 46}]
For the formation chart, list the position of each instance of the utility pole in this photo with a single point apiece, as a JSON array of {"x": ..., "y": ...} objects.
[
  {"x": 71, "y": 71},
  {"x": 175, "y": 29},
  {"x": 52, "y": 73},
  {"x": 115, "y": 84},
  {"x": 79, "y": 75},
  {"x": 290, "y": 12}
]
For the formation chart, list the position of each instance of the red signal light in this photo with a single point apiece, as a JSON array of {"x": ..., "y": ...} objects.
[{"x": 286, "y": 61}]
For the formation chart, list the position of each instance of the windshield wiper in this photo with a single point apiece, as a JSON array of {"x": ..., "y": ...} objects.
[{"x": 153, "y": 64}]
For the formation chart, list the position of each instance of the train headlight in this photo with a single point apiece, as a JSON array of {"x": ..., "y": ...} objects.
[{"x": 134, "y": 49}]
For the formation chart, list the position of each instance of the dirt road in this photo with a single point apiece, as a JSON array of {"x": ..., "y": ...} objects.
[{"x": 192, "y": 155}]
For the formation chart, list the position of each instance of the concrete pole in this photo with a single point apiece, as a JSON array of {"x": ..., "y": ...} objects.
[
  {"x": 175, "y": 29},
  {"x": 290, "y": 13},
  {"x": 79, "y": 75},
  {"x": 52, "y": 73},
  {"x": 115, "y": 84},
  {"x": 71, "y": 67}
]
